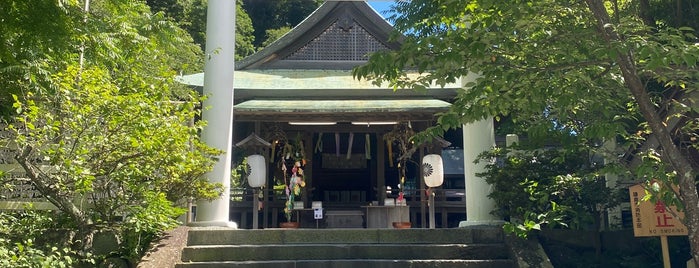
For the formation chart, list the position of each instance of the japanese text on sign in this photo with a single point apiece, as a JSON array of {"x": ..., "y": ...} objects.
[{"x": 653, "y": 218}]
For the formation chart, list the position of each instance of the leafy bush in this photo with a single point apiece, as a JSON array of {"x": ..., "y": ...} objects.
[
  {"x": 25, "y": 254},
  {"x": 551, "y": 188},
  {"x": 103, "y": 132},
  {"x": 28, "y": 241},
  {"x": 147, "y": 223}
]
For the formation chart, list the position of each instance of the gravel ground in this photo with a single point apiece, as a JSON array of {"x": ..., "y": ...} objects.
[{"x": 166, "y": 252}]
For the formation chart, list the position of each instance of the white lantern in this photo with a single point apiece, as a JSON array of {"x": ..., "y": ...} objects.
[
  {"x": 433, "y": 170},
  {"x": 257, "y": 172}
]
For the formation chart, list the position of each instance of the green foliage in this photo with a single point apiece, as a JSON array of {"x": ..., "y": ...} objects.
[
  {"x": 239, "y": 172},
  {"x": 244, "y": 38},
  {"x": 272, "y": 35},
  {"x": 602, "y": 71},
  {"x": 538, "y": 62},
  {"x": 103, "y": 131},
  {"x": 36, "y": 35},
  {"x": 146, "y": 223},
  {"x": 25, "y": 254},
  {"x": 113, "y": 146},
  {"x": 190, "y": 15},
  {"x": 277, "y": 14},
  {"x": 565, "y": 85},
  {"x": 23, "y": 241},
  {"x": 547, "y": 189}
]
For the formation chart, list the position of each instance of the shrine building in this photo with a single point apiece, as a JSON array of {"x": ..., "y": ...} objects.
[{"x": 299, "y": 91}]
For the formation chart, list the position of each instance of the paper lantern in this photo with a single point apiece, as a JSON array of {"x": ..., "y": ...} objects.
[
  {"x": 257, "y": 171},
  {"x": 433, "y": 170}
]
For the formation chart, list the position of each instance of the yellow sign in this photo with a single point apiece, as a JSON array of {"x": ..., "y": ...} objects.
[{"x": 653, "y": 218}]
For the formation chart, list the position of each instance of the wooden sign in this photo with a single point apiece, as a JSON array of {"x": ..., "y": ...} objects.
[{"x": 654, "y": 218}]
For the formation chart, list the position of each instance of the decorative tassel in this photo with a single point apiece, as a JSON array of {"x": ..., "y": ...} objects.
[
  {"x": 302, "y": 149},
  {"x": 274, "y": 147},
  {"x": 287, "y": 151},
  {"x": 337, "y": 144},
  {"x": 349, "y": 147},
  {"x": 389, "y": 146},
  {"x": 319, "y": 144},
  {"x": 367, "y": 146}
]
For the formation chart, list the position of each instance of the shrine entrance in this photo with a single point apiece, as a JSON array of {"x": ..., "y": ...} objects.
[
  {"x": 350, "y": 171},
  {"x": 342, "y": 169}
]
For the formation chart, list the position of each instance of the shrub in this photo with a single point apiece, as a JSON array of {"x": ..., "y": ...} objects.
[{"x": 551, "y": 188}]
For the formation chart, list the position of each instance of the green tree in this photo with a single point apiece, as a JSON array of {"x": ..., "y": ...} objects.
[
  {"x": 31, "y": 33},
  {"x": 244, "y": 38},
  {"x": 275, "y": 15},
  {"x": 101, "y": 128},
  {"x": 191, "y": 16},
  {"x": 272, "y": 35},
  {"x": 550, "y": 188},
  {"x": 604, "y": 70}
]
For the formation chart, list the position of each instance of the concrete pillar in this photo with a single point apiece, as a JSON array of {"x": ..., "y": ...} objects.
[
  {"x": 218, "y": 107},
  {"x": 613, "y": 214},
  {"x": 479, "y": 136},
  {"x": 511, "y": 139}
]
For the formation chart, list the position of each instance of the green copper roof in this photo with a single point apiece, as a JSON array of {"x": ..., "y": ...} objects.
[
  {"x": 292, "y": 79},
  {"x": 287, "y": 79},
  {"x": 339, "y": 106}
]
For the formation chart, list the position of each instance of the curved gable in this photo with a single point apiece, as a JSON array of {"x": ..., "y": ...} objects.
[{"x": 338, "y": 35}]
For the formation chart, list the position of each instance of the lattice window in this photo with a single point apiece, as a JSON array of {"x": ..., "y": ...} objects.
[{"x": 341, "y": 41}]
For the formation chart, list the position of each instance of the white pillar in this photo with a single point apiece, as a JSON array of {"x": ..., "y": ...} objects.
[
  {"x": 613, "y": 214},
  {"x": 218, "y": 107},
  {"x": 511, "y": 139},
  {"x": 479, "y": 136}
]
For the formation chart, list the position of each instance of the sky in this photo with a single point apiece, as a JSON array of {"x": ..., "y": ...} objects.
[{"x": 380, "y": 6}]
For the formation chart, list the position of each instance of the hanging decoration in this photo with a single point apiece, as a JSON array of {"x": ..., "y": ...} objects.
[
  {"x": 367, "y": 146},
  {"x": 277, "y": 137},
  {"x": 319, "y": 144},
  {"x": 349, "y": 147},
  {"x": 401, "y": 135},
  {"x": 294, "y": 150},
  {"x": 302, "y": 151},
  {"x": 389, "y": 147},
  {"x": 286, "y": 151},
  {"x": 274, "y": 149},
  {"x": 292, "y": 153},
  {"x": 293, "y": 186},
  {"x": 337, "y": 144}
]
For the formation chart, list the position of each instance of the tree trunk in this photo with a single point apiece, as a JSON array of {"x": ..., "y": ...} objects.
[
  {"x": 670, "y": 152},
  {"x": 85, "y": 228}
]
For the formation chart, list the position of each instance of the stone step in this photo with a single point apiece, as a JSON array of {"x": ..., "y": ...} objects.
[
  {"x": 354, "y": 264},
  {"x": 226, "y": 236},
  {"x": 344, "y": 251},
  {"x": 347, "y": 248}
]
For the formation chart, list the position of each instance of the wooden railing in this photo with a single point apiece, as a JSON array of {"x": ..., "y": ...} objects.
[
  {"x": 444, "y": 197},
  {"x": 447, "y": 202}
]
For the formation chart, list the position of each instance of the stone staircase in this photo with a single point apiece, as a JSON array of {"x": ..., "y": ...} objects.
[{"x": 351, "y": 248}]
